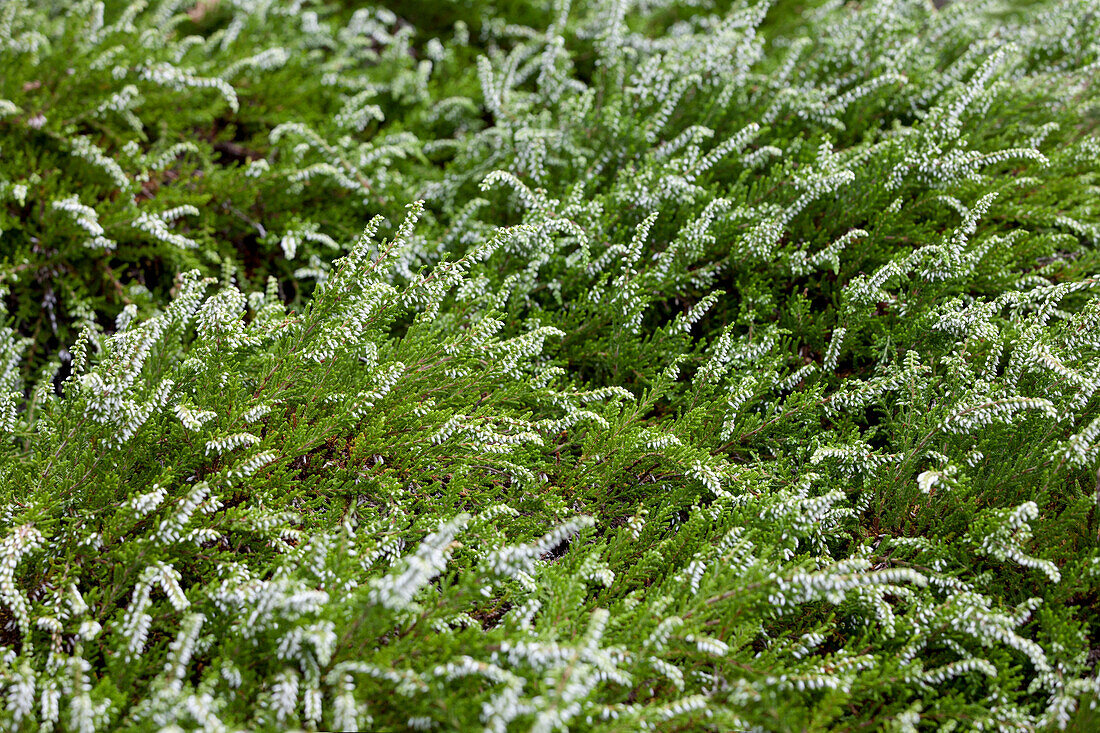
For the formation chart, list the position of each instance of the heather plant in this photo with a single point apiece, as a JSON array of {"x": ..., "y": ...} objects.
[
  {"x": 244, "y": 139},
  {"x": 602, "y": 365}
]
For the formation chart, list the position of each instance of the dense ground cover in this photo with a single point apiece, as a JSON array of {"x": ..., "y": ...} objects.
[{"x": 611, "y": 365}]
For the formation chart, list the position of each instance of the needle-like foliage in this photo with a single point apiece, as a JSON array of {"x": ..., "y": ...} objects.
[{"x": 592, "y": 365}]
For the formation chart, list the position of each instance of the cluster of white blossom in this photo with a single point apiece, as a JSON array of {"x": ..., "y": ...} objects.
[
  {"x": 87, "y": 219},
  {"x": 173, "y": 77}
]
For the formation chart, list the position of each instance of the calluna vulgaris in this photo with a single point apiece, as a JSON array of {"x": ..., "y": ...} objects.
[{"x": 596, "y": 365}]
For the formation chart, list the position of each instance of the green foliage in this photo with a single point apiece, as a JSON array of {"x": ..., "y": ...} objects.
[
  {"x": 249, "y": 142},
  {"x": 605, "y": 365}
]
